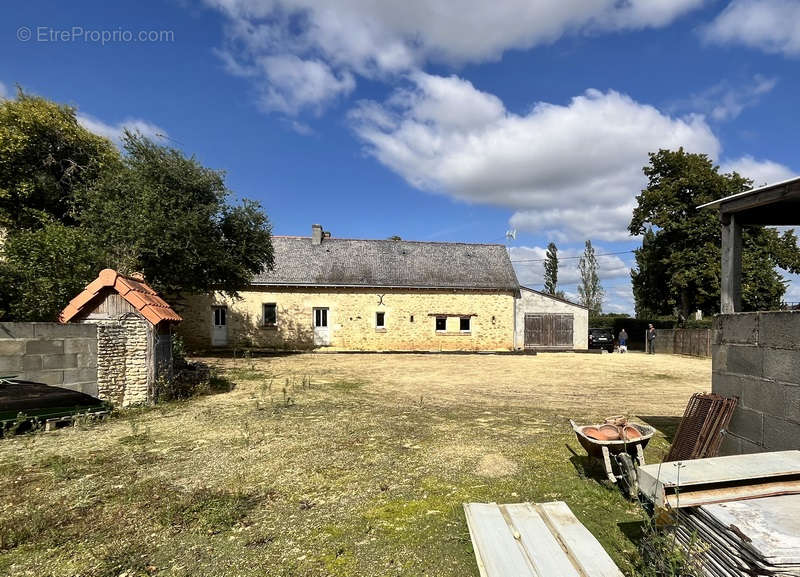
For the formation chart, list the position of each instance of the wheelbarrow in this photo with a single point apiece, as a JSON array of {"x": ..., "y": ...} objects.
[{"x": 626, "y": 448}]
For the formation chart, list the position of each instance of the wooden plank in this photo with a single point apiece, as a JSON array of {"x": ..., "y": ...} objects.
[
  {"x": 497, "y": 552},
  {"x": 534, "y": 540},
  {"x": 585, "y": 551},
  {"x": 542, "y": 548}
]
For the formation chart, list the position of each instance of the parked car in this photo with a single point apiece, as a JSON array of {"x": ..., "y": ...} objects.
[{"x": 601, "y": 339}]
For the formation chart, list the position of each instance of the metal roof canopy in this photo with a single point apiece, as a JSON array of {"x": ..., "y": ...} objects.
[{"x": 772, "y": 205}]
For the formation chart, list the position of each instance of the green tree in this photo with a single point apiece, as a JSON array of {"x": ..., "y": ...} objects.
[
  {"x": 45, "y": 157},
  {"x": 165, "y": 215},
  {"x": 678, "y": 265},
  {"x": 71, "y": 205},
  {"x": 551, "y": 269},
  {"x": 43, "y": 269},
  {"x": 589, "y": 289}
]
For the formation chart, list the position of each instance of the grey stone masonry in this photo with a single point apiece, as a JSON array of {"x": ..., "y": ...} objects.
[
  {"x": 50, "y": 353},
  {"x": 756, "y": 357}
]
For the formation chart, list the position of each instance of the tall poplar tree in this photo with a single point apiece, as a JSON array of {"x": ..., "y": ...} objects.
[
  {"x": 551, "y": 269},
  {"x": 589, "y": 289}
]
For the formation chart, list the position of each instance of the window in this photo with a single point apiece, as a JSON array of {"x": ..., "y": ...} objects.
[
  {"x": 320, "y": 318},
  {"x": 441, "y": 324},
  {"x": 380, "y": 320},
  {"x": 270, "y": 314},
  {"x": 219, "y": 316},
  {"x": 464, "y": 324}
]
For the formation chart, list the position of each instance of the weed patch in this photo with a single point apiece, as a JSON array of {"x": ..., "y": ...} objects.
[{"x": 205, "y": 510}]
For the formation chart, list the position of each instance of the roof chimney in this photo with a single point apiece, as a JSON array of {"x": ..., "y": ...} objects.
[{"x": 316, "y": 234}]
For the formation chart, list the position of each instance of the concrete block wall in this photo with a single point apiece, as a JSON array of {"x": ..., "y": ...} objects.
[
  {"x": 756, "y": 357},
  {"x": 50, "y": 353}
]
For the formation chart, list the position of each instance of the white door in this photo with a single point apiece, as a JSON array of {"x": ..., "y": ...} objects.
[
  {"x": 322, "y": 335},
  {"x": 219, "y": 326}
]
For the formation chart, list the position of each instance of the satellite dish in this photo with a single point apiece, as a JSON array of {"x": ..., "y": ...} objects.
[{"x": 511, "y": 234}]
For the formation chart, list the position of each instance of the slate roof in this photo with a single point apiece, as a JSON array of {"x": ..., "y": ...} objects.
[
  {"x": 389, "y": 263},
  {"x": 137, "y": 293}
]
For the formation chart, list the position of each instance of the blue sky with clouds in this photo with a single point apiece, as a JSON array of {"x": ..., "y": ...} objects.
[{"x": 438, "y": 120}]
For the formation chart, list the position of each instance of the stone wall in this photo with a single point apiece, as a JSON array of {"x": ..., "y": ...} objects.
[
  {"x": 351, "y": 320},
  {"x": 756, "y": 357},
  {"x": 533, "y": 302},
  {"x": 50, "y": 353},
  {"x": 123, "y": 370}
]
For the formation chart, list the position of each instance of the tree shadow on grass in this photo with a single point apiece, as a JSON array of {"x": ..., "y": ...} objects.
[{"x": 666, "y": 425}]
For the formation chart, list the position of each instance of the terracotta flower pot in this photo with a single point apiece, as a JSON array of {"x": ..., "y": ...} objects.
[
  {"x": 629, "y": 433},
  {"x": 611, "y": 432}
]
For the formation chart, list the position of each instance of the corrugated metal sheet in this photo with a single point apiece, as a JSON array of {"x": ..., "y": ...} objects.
[
  {"x": 744, "y": 538},
  {"x": 534, "y": 540},
  {"x": 660, "y": 481}
]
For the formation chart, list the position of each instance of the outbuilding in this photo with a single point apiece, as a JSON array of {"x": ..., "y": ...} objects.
[
  {"x": 546, "y": 322},
  {"x": 134, "y": 335}
]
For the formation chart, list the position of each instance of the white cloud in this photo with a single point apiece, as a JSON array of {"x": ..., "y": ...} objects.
[
  {"x": 614, "y": 274},
  {"x": 570, "y": 171},
  {"x": 770, "y": 25},
  {"x": 293, "y": 84},
  {"x": 792, "y": 294},
  {"x": 725, "y": 101},
  {"x": 114, "y": 131},
  {"x": 375, "y": 39},
  {"x": 3, "y": 91},
  {"x": 762, "y": 172}
]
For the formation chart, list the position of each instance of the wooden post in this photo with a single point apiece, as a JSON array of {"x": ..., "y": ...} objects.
[{"x": 731, "y": 281}]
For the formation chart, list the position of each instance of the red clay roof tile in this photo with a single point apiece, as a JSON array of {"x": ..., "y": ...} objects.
[{"x": 137, "y": 293}]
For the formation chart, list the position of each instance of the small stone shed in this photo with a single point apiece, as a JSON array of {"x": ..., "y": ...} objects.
[
  {"x": 756, "y": 355},
  {"x": 134, "y": 335}
]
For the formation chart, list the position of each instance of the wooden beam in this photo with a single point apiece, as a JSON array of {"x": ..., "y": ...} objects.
[
  {"x": 763, "y": 198},
  {"x": 731, "y": 281}
]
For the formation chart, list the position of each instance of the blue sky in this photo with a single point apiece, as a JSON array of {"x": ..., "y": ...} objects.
[{"x": 439, "y": 120}]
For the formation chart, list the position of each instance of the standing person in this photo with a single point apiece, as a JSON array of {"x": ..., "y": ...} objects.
[
  {"x": 651, "y": 339},
  {"x": 623, "y": 341}
]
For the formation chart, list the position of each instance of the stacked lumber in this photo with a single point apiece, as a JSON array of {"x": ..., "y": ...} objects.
[{"x": 744, "y": 538}]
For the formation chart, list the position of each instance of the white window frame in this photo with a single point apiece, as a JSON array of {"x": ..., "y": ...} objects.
[
  {"x": 469, "y": 322},
  {"x": 381, "y": 326},
  {"x": 436, "y": 322}
]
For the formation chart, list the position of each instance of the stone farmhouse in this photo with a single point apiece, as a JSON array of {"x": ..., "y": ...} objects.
[{"x": 354, "y": 294}]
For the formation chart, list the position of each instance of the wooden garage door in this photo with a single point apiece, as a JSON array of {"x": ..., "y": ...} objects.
[{"x": 548, "y": 330}]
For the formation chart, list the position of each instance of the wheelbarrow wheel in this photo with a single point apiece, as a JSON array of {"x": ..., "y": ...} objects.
[{"x": 628, "y": 478}]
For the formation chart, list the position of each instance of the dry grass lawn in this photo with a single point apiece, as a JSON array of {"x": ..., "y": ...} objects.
[{"x": 314, "y": 464}]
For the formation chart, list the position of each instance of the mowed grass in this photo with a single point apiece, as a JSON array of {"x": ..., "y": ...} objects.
[{"x": 343, "y": 465}]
